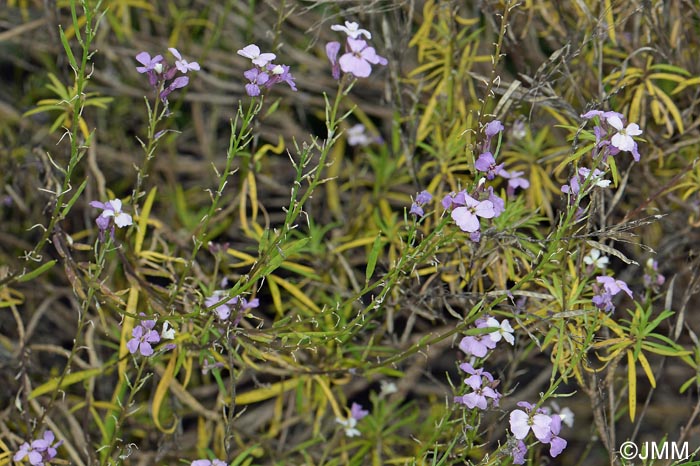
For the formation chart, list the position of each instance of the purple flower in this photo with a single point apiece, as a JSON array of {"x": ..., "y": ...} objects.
[
  {"x": 518, "y": 452},
  {"x": 474, "y": 374},
  {"x": 424, "y": 197},
  {"x": 477, "y": 398},
  {"x": 113, "y": 209},
  {"x": 111, "y": 215},
  {"x": 477, "y": 345},
  {"x": 499, "y": 205},
  {"x": 208, "y": 463},
  {"x": 356, "y": 411},
  {"x": 652, "y": 277},
  {"x": 280, "y": 74},
  {"x": 515, "y": 181},
  {"x": 613, "y": 286},
  {"x": 40, "y": 451},
  {"x": 223, "y": 311},
  {"x": 142, "y": 337},
  {"x": 332, "y": 49},
  {"x": 493, "y": 128},
  {"x": 467, "y": 216},
  {"x": 177, "y": 83},
  {"x": 149, "y": 64},
  {"x": 257, "y": 78},
  {"x": 486, "y": 163},
  {"x": 416, "y": 210},
  {"x": 521, "y": 423},
  {"x": 598, "y": 113},
  {"x": 357, "y": 135},
  {"x": 556, "y": 443},
  {"x": 183, "y": 65},
  {"x": 603, "y": 301},
  {"x": 359, "y": 59}
]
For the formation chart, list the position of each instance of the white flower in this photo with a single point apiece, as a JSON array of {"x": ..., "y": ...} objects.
[
  {"x": 597, "y": 177},
  {"x": 121, "y": 219},
  {"x": 352, "y": 30},
  {"x": 349, "y": 425},
  {"x": 566, "y": 415},
  {"x": 504, "y": 331},
  {"x": 357, "y": 136},
  {"x": 623, "y": 139},
  {"x": 252, "y": 51},
  {"x": 168, "y": 333},
  {"x": 595, "y": 259},
  {"x": 387, "y": 388}
]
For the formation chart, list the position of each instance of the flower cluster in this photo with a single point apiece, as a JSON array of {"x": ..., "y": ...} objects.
[
  {"x": 574, "y": 186},
  {"x": 479, "y": 345},
  {"x": 143, "y": 336},
  {"x": 359, "y": 56},
  {"x": 603, "y": 296},
  {"x": 162, "y": 76},
  {"x": 264, "y": 73},
  {"x": 483, "y": 385},
  {"x": 486, "y": 162},
  {"x": 422, "y": 198},
  {"x": 111, "y": 215},
  {"x": 611, "y": 134},
  {"x": 40, "y": 451},
  {"x": 223, "y": 310},
  {"x": 545, "y": 427},
  {"x": 652, "y": 277},
  {"x": 349, "y": 424}
]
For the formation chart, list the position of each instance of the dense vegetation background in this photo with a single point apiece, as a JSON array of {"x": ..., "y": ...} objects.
[{"x": 273, "y": 289}]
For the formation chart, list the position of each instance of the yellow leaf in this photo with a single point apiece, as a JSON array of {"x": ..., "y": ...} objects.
[
  {"x": 632, "y": 379},
  {"x": 161, "y": 390},
  {"x": 143, "y": 220},
  {"x": 265, "y": 393},
  {"x": 296, "y": 292},
  {"x": 58, "y": 384},
  {"x": 127, "y": 327},
  {"x": 647, "y": 369}
]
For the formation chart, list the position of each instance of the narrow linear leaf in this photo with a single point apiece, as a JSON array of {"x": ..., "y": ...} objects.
[{"x": 372, "y": 259}]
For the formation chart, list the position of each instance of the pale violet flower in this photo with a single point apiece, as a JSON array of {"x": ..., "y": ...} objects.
[
  {"x": 613, "y": 286},
  {"x": 352, "y": 29},
  {"x": 208, "y": 463},
  {"x": 521, "y": 423},
  {"x": 252, "y": 51},
  {"x": 113, "y": 209},
  {"x": 596, "y": 260},
  {"x": 359, "y": 59},
  {"x": 181, "y": 64},
  {"x": 623, "y": 139},
  {"x": 467, "y": 216}
]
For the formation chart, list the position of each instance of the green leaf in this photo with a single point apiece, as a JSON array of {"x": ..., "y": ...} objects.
[
  {"x": 36, "y": 272},
  {"x": 372, "y": 259}
]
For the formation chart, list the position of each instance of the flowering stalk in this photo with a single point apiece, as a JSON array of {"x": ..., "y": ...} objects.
[{"x": 78, "y": 147}]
